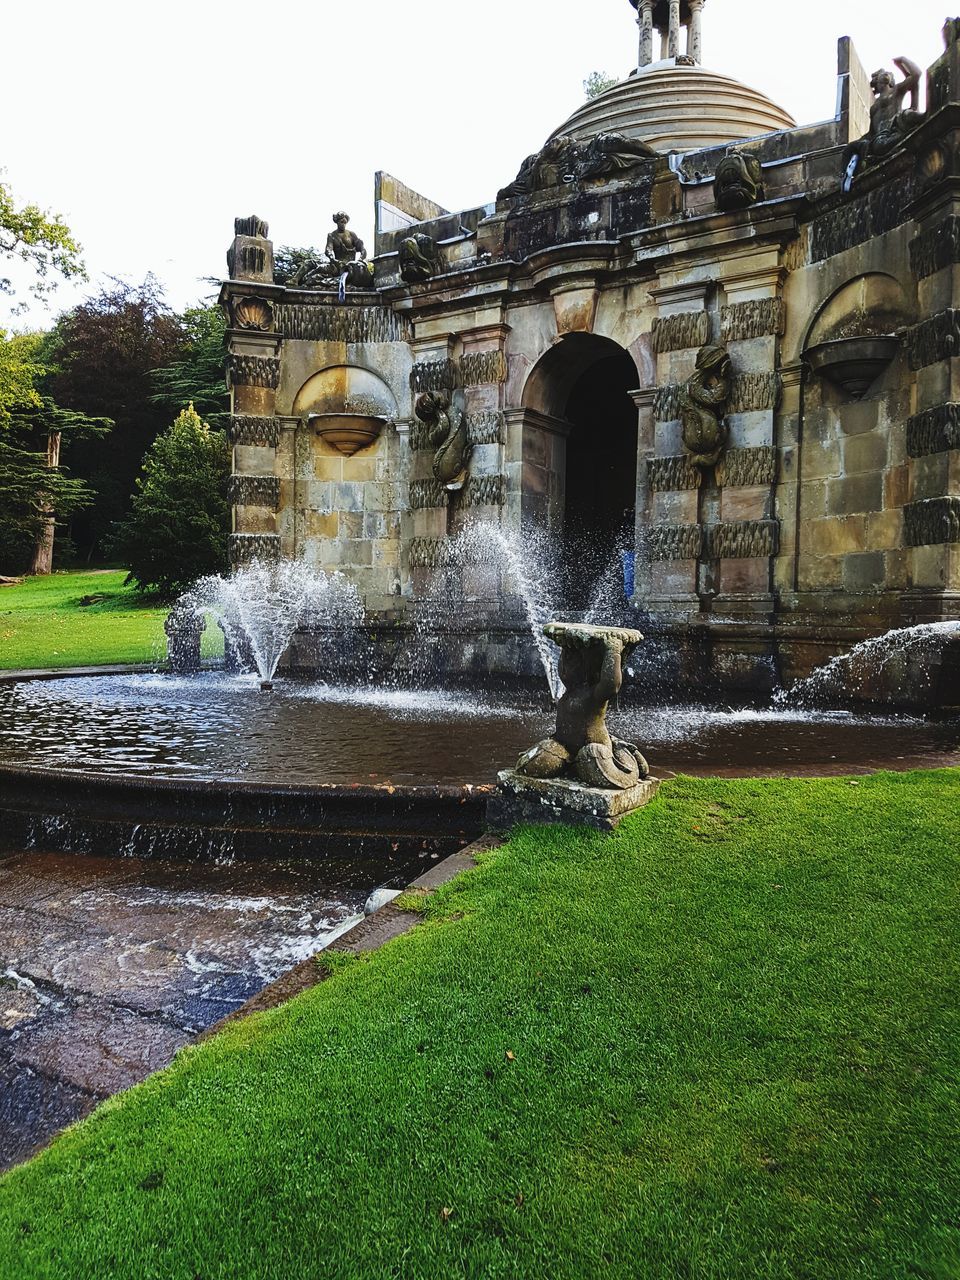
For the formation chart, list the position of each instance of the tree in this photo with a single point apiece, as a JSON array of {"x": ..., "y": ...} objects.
[
  {"x": 40, "y": 419},
  {"x": 104, "y": 354},
  {"x": 21, "y": 368},
  {"x": 288, "y": 260},
  {"x": 30, "y": 490},
  {"x": 598, "y": 82},
  {"x": 197, "y": 377},
  {"x": 40, "y": 240},
  {"x": 180, "y": 516}
]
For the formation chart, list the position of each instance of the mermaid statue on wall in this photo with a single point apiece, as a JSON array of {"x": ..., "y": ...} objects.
[
  {"x": 703, "y": 401},
  {"x": 448, "y": 435}
]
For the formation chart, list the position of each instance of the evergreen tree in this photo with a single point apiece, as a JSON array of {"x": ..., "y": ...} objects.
[
  {"x": 180, "y": 515},
  {"x": 31, "y": 490},
  {"x": 197, "y": 377}
]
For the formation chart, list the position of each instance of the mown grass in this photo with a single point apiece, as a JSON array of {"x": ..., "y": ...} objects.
[
  {"x": 723, "y": 1043},
  {"x": 42, "y": 623}
]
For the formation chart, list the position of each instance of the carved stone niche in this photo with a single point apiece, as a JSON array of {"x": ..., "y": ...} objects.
[
  {"x": 251, "y": 313},
  {"x": 347, "y": 407},
  {"x": 855, "y": 336}
]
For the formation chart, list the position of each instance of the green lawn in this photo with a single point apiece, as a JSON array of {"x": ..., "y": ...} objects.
[
  {"x": 722, "y": 1044},
  {"x": 43, "y": 625}
]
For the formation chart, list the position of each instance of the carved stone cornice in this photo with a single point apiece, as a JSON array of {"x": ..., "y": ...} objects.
[
  {"x": 934, "y": 431},
  {"x": 932, "y": 522},
  {"x": 542, "y": 421},
  {"x": 323, "y": 322}
]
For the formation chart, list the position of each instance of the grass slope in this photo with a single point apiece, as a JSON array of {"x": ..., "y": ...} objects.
[
  {"x": 43, "y": 625},
  {"x": 723, "y": 1043}
]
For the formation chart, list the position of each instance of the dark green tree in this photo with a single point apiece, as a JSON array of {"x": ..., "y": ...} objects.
[
  {"x": 197, "y": 377},
  {"x": 30, "y": 492},
  {"x": 180, "y": 515}
]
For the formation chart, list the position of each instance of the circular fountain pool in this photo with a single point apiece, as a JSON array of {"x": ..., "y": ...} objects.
[{"x": 221, "y": 729}]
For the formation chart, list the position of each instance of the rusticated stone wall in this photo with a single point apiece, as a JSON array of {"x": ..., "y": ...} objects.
[
  {"x": 255, "y": 491},
  {"x": 314, "y": 322},
  {"x": 759, "y": 318},
  {"x": 932, "y": 522},
  {"x": 245, "y": 547},
  {"x": 935, "y": 339},
  {"x": 254, "y": 371},
  {"x": 262, "y": 432},
  {"x": 934, "y": 431},
  {"x": 936, "y": 248},
  {"x": 679, "y": 332}
]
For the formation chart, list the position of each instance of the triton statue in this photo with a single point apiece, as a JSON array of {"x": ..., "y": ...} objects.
[
  {"x": 419, "y": 258},
  {"x": 703, "y": 399},
  {"x": 889, "y": 122},
  {"x": 448, "y": 434},
  {"x": 581, "y": 749}
]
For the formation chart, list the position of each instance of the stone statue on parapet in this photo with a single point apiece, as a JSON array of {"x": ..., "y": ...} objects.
[
  {"x": 703, "y": 402},
  {"x": 581, "y": 749},
  {"x": 448, "y": 436},
  {"x": 419, "y": 258},
  {"x": 890, "y": 122},
  {"x": 738, "y": 182},
  {"x": 564, "y": 160},
  {"x": 344, "y": 259}
]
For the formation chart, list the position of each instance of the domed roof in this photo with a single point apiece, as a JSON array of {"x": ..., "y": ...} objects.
[{"x": 673, "y": 106}]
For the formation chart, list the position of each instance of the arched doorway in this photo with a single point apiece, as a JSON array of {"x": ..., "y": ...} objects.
[{"x": 579, "y": 394}]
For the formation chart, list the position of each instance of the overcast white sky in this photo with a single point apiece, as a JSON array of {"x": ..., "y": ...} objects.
[{"x": 150, "y": 126}]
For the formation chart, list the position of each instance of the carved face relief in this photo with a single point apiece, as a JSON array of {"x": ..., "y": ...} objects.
[{"x": 252, "y": 313}]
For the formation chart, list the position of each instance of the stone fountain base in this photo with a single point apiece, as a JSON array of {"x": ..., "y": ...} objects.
[{"x": 519, "y": 799}]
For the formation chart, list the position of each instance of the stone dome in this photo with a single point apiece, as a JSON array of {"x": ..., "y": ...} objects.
[{"x": 676, "y": 107}]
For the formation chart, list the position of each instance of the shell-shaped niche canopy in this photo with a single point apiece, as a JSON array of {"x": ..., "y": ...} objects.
[{"x": 347, "y": 406}]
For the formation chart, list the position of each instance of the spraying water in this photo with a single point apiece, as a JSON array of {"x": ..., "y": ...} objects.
[
  {"x": 261, "y": 606},
  {"x": 526, "y": 566},
  {"x": 864, "y": 662}
]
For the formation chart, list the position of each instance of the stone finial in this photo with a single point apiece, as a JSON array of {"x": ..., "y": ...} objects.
[{"x": 250, "y": 257}]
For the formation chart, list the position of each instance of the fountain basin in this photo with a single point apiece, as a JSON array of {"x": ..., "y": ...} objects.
[{"x": 348, "y": 432}]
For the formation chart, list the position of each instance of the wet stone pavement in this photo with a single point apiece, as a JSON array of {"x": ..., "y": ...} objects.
[{"x": 109, "y": 966}]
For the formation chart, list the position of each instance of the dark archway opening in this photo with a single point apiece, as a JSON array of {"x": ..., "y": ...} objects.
[{"x": 600, "y": 490}]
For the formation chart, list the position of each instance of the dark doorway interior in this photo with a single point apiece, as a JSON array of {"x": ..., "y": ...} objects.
[{"x": 601, "y": 474}]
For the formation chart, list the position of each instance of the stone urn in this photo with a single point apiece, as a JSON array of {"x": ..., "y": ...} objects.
[
  {"x": 853, "y": 364},
  {"x": 348, "y": 432}
]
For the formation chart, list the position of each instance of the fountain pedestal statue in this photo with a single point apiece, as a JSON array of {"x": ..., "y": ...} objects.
[
  {"x": 581, "y": 775},
  {"x": 184, "y": 631}
]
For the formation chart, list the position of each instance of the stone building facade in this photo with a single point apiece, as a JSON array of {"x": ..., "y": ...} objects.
[{"x": 559, "y": 328}]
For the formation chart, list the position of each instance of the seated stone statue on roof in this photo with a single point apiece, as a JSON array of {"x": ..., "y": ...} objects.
[
  {"x": 339, "y": 261},
  {"x": 564, "y": 160},
  {"x": 889, "y": 121}
]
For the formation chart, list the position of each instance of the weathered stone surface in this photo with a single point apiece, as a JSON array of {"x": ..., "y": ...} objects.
[
  {"x": 484, "y": 491},
  {"x": 544, "y": 800},
  {"x": 679, "y": 332},
  {"x": 482, "y": 367},
  {"x": 742, "y": 539},
  {"x": 936, "y": 248},
  {"x": 246, "y": 430},
  {"x": 860, "y": 219},
  {"x": 245, "y": 547},
  {"x": 254, "y": 371},
  {"x": 666, "y": 475},
  {"x": 934, "y": 431},
  {"x": 752, "y": 391},
  {"x": 255, "y": 491},
  {"x": 673, "y": 542},
  {"x": 326, "y": 322},
  {"x": 743, "y": 468},
  {"x": 666, "y": 403},
  {"x": 932, "y": 522},
  {"x": 759, "y": 318},
  {"x": 935, "y": 339},
  {"x": 433, "y": 375},
  {"x": 427, "y": 493},
  {"x": 486, "y": 427}
]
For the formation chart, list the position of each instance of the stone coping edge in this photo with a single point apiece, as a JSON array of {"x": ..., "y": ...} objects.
[{"x": 367, "y": 934}]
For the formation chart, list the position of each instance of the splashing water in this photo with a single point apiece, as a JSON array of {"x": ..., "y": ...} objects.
[
  {"x": 526, "y": 565},
  {"x": 261, "y": 606},
  {"x": 865, "y": 661}
]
